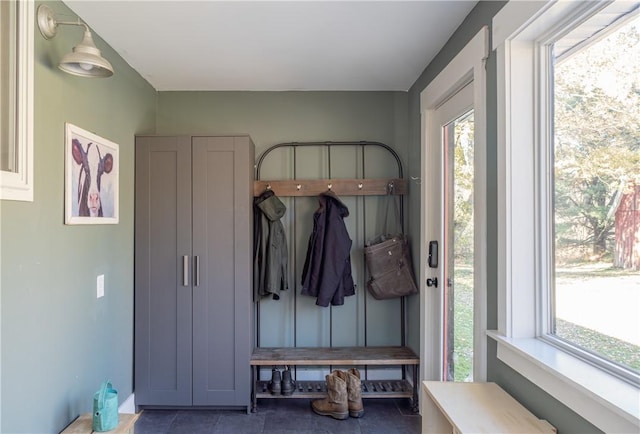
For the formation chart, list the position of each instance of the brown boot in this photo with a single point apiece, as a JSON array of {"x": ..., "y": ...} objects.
[
  {"x": 354, "y": 391},
  {"x": 335, "y": 404}
]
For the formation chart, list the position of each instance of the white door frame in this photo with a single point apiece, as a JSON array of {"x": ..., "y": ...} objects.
[{"x": 467, "y": 67}]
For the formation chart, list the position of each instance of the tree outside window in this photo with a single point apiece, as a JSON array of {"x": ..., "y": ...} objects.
[{"x": 597, "y": 196}]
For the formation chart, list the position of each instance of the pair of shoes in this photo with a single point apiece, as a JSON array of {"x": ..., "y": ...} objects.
[
  {"x": 344, "y": 396},
  {"x": 281, "y": 384}
]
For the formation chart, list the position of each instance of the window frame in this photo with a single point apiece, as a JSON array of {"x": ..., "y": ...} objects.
[
  {"x": 521, "y": 34},
  {"x": 18, "y": 185}
]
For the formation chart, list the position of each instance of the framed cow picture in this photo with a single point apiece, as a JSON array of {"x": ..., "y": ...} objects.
[{"x": 91, "y": 178}]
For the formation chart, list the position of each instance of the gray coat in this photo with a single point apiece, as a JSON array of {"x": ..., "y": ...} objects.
[{"x": 270, "y": 259}]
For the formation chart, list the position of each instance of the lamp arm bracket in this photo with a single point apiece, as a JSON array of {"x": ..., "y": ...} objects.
[
  {"x": 74, "y": 23},
  {"x": 48, "y": 24}
]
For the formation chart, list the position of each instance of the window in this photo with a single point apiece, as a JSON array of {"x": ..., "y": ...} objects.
[
  {"x": 16, "y": 100},
  {"x": 7, "y": 81},
  {"x": 595, "y": 303},
  {"x": 560, "y": 142}
]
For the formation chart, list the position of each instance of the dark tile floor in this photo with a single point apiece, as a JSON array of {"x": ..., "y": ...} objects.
[{"x": 274, "y": 416}]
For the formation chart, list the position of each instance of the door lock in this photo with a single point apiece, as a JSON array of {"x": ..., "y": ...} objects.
[{"x": 432, "y": 282}]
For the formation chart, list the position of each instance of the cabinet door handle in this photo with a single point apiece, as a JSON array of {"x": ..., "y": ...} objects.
[
  {"x": 185, "y": 270},
  {"x": 196, "y": 278}
]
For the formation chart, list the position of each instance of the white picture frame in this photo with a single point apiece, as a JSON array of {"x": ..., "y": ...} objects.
[{"x": 91, "y": 178}]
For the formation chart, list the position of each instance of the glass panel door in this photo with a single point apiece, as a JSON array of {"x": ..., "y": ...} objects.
[{"x": 458, "y": 284}]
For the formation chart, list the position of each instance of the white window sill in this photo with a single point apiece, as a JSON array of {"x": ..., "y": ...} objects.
[{"x": 607, "y": 402}]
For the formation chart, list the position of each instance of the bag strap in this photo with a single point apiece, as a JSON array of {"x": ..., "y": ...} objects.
[
  {"x": 385, "y": 225},
  {"x": 103, "y": 393}
]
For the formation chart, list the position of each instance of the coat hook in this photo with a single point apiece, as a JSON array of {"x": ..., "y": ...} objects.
[
  {"x": 298, "y": 187},
  {"x": 329, "y": 186},
  {"x": 359, "y": 186},
  {"x": 268, "y": 186}
]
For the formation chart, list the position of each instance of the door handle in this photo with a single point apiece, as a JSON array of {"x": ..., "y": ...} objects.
[
  {"x": 433, "y": 254},
  {"x": 185, "y": 270},
  {"x": 196, "y": 277}
]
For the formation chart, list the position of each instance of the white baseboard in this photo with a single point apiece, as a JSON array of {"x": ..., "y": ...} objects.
[{"x": 128, "y": 406}]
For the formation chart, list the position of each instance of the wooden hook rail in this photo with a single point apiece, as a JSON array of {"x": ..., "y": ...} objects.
[{"x": 341, "y": 187}]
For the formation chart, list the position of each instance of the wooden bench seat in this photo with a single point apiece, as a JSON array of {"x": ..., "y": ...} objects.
[
  {"x": 84, "y": 424},
  {"x": 338, "y": 356},
  {"x": 449, "y": 407}
]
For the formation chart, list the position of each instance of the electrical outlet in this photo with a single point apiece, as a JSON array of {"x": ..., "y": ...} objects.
[{"x": 100, "y": 285}]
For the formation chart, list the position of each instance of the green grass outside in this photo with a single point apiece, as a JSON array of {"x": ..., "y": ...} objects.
[
  {"x": 615, "y": 349},
  {"x": 463, "y": 323},
  {"x": 610, "y": 347}
]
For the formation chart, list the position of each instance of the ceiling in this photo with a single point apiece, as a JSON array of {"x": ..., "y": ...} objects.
[{"x": 275, "y": 45}]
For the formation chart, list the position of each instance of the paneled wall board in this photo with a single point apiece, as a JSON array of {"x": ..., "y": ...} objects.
[{"x": 294, "y": 320}]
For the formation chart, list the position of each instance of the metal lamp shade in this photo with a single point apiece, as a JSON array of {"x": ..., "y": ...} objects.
[{"x": 85, "y": 60}]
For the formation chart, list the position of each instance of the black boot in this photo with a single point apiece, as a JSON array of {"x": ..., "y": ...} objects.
[
  {"x": 288, "y": 386},
  {"x": 276, "y": 383}
]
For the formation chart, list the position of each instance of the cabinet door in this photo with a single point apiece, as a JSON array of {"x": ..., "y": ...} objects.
[
  {"x": 222, "y": 175},
  {"x": 163, "y": 316}
]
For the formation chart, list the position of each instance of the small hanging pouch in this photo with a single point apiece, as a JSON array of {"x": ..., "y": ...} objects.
[
  {"x": 105, "y": 408},
  {"x": 388, "y": 259}
]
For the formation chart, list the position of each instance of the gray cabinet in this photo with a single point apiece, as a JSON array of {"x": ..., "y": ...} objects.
[{"x": 193, "y": 317}]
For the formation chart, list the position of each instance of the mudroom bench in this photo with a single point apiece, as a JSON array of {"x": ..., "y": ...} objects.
[
  {"x": 475, "y": 408},
  {"x": 339, "y": 357}
]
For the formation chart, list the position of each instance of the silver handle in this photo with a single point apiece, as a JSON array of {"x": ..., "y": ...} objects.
[
  {"x": 185, "y": 270},
  {"x": 197, "y": 271}
]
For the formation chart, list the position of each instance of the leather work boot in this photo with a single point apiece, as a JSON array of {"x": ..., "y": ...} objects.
[
  {"x": 354, "y": 391},
  {"x": 275, "y": 383},
  {"x": 288, "y": 385},
  {"x": 335, "y": 404}
]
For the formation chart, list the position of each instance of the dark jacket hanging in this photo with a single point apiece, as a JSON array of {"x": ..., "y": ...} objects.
[
  {"x": 270, "y": 275},
  {"x": 327, "y": 269}
]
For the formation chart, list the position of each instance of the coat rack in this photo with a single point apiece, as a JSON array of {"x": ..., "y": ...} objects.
[
  {"x": 318, "y": 356},
  {"x": 341, "y": 187}
]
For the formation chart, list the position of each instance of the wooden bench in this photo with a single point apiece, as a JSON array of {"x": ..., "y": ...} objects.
[
  {"x": 340, "y": 357},
  {"x": 449, "y": 407},
  {"x": 84, "y": 424}
]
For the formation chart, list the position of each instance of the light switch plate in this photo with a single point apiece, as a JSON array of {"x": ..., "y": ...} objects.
[{"x": 100, "y": 286}]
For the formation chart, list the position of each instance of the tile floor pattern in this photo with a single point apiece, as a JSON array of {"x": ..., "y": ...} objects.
[{"x": 275, "y": 416}]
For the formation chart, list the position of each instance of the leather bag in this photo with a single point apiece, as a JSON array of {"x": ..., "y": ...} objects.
[
  {"x": 388, "y": 259},
  {"x": 105, "y": 408}
]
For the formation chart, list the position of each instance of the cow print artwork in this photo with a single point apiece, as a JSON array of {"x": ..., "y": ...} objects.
[
  {"x": 91, "y": 178},
  {"x": 93, "y": 168}
]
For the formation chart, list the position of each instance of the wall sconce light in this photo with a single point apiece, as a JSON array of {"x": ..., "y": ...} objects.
[{"x": 85, "y": 60}]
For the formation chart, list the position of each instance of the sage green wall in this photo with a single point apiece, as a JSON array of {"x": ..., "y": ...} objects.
[
  {"x": 58, "y": 341},
  {"x": 539, "y": 402},
  {"x": 277, "y": 117}
]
